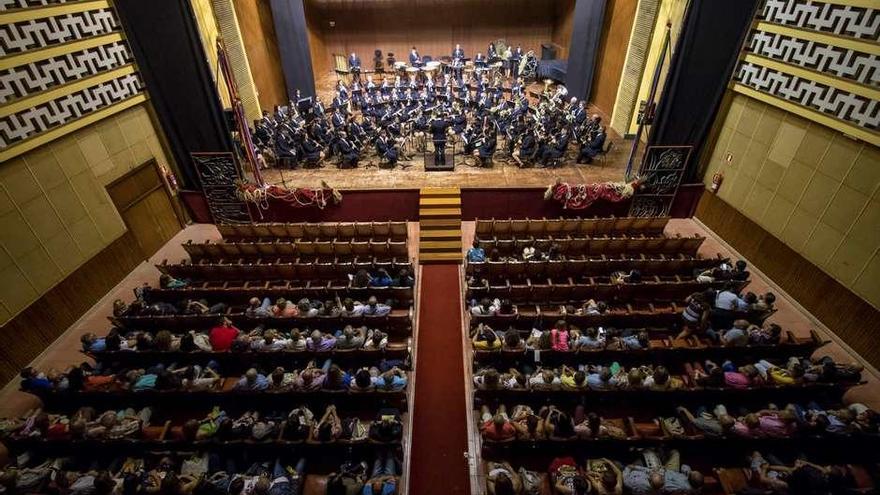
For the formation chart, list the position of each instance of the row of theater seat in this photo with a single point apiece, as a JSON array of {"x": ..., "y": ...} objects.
[
  {"x": 305, "y": 231},
  {"x": 588, "y": 226}
]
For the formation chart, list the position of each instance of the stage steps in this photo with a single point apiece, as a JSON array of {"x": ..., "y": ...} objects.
[{"x": 440, "y": 225}]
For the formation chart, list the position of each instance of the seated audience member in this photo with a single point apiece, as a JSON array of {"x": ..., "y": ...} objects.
[
  {"x": 252, "y": 380},
  {"x": 377, "y": 340},
  {"x": 168, "y": 282},
  {"x": 513, "y": 341},
  {"x": 711, "y": 424},
  {"x": 496, "y": 427},
  {"x": 661, "y": 380},
  {"x": 729, "y": 300},
  {"x": 280, "y": 379},
  {"x": 769, "y": 334},
  {"x": 361, "y": 279},
  {"x": 592, "y": 308},
  {"x": 630, "y": 340},
  {"x": 528, "y": 425},
  {"x": 605, "y": 477},
  {"x": 486, "y": 307},
  {"x": 372, "y": 308},
  {"x": 590, "y": 340},
  {"x": 594, "y": 426},
  {"x": 544, "y": 379},
  {"x": 320, "y": 342},
  {"x": 383, "y": 478},
  {"x": 312, "y": 378},
  {"x": 382, "y": 279},
  {"x": 633, "y": 277},
  {"x": 485, "y": 339},
  {"x": 487, "y": 379},
  {"x": 736, "y": 336},
  {"x": 476, "y": 254},
  {"x": 284, "y": 309},
  {"x": 393, "y": 380},
  {"x": 502, "y": 479},
  {"x": 571, "y": 379},
  {"x": 350, "y": 338},
  {"x": 93, "y": 343},
  {"x": 388, "y": 426},
  {"x": 404, "y": 279},
  {"x": 656, "y": 476},
  {"x": 765, "y": 303},
  {"x": 506, "y": 308},
  {"x": 222, "y": 336},
  {"x": 567, "y": 478},
  {"x": 328, "y": 428}
]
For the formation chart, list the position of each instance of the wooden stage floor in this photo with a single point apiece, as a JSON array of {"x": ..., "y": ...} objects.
[{"x": 501, "y": 175}]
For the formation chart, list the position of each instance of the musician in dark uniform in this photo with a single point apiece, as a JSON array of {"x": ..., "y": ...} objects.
[
  {"x": 385, "y": 149},
  {"x": 354, "y": 65},
  {"x": 458, "y": 52},
  {"x": 590, "y": 149},
  {"x": 556, "y": 149},
  {"x": 487, "y": 147},
  {"x": 414, "y": 59},
  {"x": 480, "y": 60},
  {"x": 439, "y": 125},
  {"x": 515, "y": 58},
  {"x": 347, "y": 151},
  {"x": 492, "y": 53}
]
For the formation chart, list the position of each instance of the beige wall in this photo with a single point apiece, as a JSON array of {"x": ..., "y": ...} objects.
[
  {"x": 671, "y": 11},
  {"x": 812, "y": 187},
  {"x": 54, "y": 211},
  {"x": 208, "y": 32}
]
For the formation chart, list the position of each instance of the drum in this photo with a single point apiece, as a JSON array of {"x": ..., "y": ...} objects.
[
  {"x": 412, "y": 70},
  {"x": 432, "y": 65}
]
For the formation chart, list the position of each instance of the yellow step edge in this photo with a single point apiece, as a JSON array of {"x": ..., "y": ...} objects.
[
  {"x": 439, "y": 191},
  {"x": 440, "y": 234},
  {"x": 434, "y": 201},
  {"x": 451, "y": 223},
  {"x": 441, "y": 212},
  {"x": 444, "y": 257}
]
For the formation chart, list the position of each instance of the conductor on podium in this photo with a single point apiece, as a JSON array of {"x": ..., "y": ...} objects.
[{"x": 438, "y": 127}]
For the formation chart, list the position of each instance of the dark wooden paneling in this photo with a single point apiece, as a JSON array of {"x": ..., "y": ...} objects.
[
  {"x": 32, "y": 330},
  {"x": 433, "y": 27},
  {"x": 563, "y": 20},
  {"x": 619, "y": 17},
  {"x": 261, "y": 46},
  {"x": 842, "y": 311}
]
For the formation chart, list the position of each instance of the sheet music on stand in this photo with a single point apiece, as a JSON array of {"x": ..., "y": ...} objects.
[{"x": 218, "y": 174}]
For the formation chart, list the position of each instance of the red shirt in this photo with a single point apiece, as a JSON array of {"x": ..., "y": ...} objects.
[
  {"x": 490, "y": 432},
  {"x": 221, "y": 337}
]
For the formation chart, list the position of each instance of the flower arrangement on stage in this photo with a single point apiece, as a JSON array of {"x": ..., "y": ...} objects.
[
  {"x": 300, "y": 197},
  {"x": 580, "y": 196}
]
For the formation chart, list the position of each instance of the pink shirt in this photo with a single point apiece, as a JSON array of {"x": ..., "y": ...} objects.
[
  {"x": 774, "y": 427},
  {"x": 559, "y": 340},
  {"x": 735, "y": 379}
]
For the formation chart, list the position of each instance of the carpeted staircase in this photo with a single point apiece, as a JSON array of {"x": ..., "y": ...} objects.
[{"x": 440, "y": 225}]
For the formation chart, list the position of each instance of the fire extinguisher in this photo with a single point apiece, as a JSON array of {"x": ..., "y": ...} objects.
[
  {"x": 170, "y": 178},
  {"x": 717, "y": 179}
]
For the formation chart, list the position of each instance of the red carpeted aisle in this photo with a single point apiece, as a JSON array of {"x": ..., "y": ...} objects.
[{"x": 439, "y": 436}]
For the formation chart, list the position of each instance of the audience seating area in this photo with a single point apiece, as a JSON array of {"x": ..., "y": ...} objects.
[
  {"x": 244, "y": 361},
  {"x": 601, "y": 346}
]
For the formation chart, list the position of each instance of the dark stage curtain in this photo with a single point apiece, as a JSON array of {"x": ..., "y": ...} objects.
[
  {"x": 586, "y": 32},
  {"x": 293, "y": 45},
  {"x": 165, "y": 40},
  {"x": 704, "y": 59}
]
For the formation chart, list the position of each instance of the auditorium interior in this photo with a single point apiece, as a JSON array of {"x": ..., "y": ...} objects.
[{"x": 424, "y": 247}]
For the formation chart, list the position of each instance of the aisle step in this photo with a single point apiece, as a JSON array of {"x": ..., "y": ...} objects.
[
  {"x": 452, "y": 192},
  {"x": 426, "y": 246},
  {"x": 441, "y": 224},
  {"x": 442, "y": 257},
  {"x": 440, "y": 234},
  {"x": 445, "y": 213},
  {"x": 439, "y": 202}
]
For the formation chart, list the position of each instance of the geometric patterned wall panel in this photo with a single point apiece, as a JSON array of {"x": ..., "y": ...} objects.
[
  {"x": 831, "y": 18},
  {"x": 57, "y": 112},
  {"x": 834, "y": 60},
  {"x": 23, "y": 4},
  {"x": 837, "y": 103},
  {"x": 42, "y": 90},
  {"x": 41, "y": 75},
  {"x": 820, "y": 60},
  {"x": 48, "y": 31}
]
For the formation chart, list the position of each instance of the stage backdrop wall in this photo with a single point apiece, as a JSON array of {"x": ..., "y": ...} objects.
[{"x": 433, "y": 26}]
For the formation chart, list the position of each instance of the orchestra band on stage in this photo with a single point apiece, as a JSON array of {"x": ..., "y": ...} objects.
[{"x": 474, "y": 107}]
